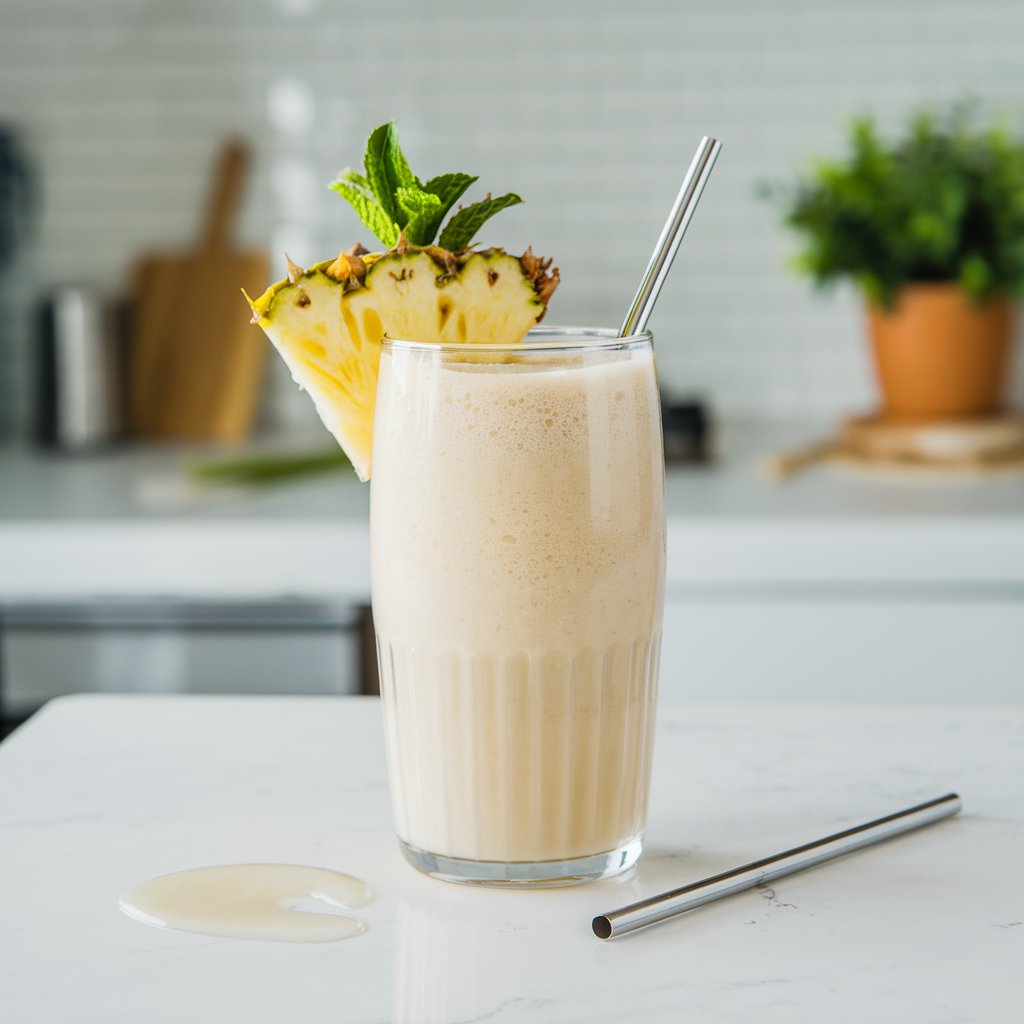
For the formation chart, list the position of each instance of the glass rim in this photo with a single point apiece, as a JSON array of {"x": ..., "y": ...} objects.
[{"x": 548, "y": 338}]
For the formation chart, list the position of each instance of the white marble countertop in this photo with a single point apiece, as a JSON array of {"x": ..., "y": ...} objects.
[
  {"x": 100, "y": 792},
  {"x": 126, "y": 523}
]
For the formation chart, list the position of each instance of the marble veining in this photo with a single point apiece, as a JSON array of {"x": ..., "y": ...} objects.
[{"x": 97, "y": 792}]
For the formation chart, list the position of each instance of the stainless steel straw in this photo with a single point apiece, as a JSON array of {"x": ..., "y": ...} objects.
[
  {"x": 760, "y": 872},
  {"x": 671, "y": 235}
]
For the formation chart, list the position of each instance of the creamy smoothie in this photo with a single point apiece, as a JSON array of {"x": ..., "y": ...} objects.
[{"x": 518, "y": 567}]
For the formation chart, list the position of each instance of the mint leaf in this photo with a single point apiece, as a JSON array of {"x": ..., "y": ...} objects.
[
  {"x": 379, "y": 172},
  {"x": 387, "y": 171},
  {"x": 449, "y": 187},
  {"x": 423, "y": 215},
  {"x": 459, "y": 231},
  {"x": 355, "y": 178},
  {"x": 398, "y": 169},
  {"x": 369, "y": 212}
]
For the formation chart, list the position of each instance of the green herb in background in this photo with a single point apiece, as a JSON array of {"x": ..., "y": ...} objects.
[
  {"x": 943, "y": 204},
  {"x": 391, "y": 201},
  {"x": 267, "y": 469}
]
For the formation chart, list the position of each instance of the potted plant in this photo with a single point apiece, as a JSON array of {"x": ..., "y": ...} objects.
[{"x": 931, "y": 229}]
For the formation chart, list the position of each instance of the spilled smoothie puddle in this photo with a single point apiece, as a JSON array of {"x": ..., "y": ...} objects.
[{"x": 268, "y": 902}]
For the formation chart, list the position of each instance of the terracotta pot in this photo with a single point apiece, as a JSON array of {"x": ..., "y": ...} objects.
[{"x": 939, "y": 355}]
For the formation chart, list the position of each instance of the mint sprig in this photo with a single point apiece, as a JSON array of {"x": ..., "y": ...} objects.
[
  {"x": 459, "y": 231},
  {"x": 422, "y": 212},
  {"x": 392, "y": 202},
  {"x": 386, "y": 169},
  {"x": 356, "y": 190}
]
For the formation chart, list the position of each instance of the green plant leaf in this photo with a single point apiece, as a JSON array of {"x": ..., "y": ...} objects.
[
  {"x": 423, "y": 214},
  {"x": 942, "y": 203},
  {"x": 461, "y": 229},
  {"x": 267, "y": 469},
  {"x": 367, "y": 208},
  {"x": 976, "y": 277}
]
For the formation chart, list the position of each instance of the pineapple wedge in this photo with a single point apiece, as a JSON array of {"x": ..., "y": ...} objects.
[{"x": 327, "y": 322}]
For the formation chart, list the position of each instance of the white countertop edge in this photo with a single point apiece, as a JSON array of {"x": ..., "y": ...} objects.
[
  {"x": 184, "y": 559},
  {"x": 271, "y": 559}
]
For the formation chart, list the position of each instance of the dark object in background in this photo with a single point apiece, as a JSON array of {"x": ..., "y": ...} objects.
[
  {"x": 16, "y": 208},
  {"x": 687, "y": 431},
  {"x": 15, "y": 196},
  {"x": 174, "y": 645},
  {"x": 78, "y": 371}
]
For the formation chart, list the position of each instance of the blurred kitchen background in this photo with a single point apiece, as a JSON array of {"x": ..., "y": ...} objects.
[{"x": 120, "y": 573}]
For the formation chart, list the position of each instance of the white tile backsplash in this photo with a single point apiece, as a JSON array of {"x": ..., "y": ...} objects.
[{"x": 590, "y": 110}]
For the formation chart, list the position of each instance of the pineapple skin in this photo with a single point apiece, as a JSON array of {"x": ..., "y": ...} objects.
[
  {"x": 358, "y": 268},
  {"x": 327, "y": 322}
]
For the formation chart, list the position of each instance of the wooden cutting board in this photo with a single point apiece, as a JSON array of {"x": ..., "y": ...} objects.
[
  {"x": 197, "y": 363},
  {"x": 973, "y": 442},
  {"x": 986, "y": 445}
]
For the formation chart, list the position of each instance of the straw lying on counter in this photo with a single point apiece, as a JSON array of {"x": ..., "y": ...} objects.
[{"x": 760, "y": 872}]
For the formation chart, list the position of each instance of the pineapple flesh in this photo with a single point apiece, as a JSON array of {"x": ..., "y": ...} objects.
[{"x": 327, "y": 322}]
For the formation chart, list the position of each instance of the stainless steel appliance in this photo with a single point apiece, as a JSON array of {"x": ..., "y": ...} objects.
[
  {"x": 80, "y": 400},
  {"x": 171, "y": 646}
]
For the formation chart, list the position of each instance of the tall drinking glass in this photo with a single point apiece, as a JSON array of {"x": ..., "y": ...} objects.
[{"x": 518, "y": 553}]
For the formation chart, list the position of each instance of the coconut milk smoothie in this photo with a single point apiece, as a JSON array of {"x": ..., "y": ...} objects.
[{"x": 518, "y": 540}]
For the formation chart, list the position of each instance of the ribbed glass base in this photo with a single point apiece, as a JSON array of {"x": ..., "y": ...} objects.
[{"x": 523, "y": 875}]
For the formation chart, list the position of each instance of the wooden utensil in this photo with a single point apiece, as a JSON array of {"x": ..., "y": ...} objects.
[{"x": 197, "y": 364}]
